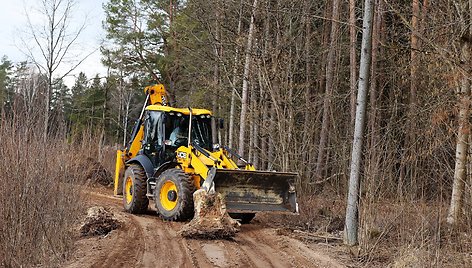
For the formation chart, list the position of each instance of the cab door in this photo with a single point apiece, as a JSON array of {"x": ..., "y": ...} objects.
[{"x": 153, "y": 143}]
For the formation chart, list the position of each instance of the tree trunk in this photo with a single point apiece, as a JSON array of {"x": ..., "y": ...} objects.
[
  {"x": 244, "y": 101},
  {"x": 462, "y": 139},
  {"x": 290, "y": 122},
  {"x": 272, "y": 129},
  {"x": 412, "y": 128},
  {"x": 256, "y": 123},
  {"x": 216, "y": 77},
  {"x": 233, "y": 92},
  {"x": 125, "y": 118},
  {"x": 251, "y": 124},
  {"x": 103, "y": 123},
  {"x": 47, "y": 102},
  {"x": 352, "y": 58},
  {"x": 308, "y": 120},
  {"x": 330, "y": 68},
  {"x": 461, "y": 155},
  {"x": 351, "y": 226},
  {"x": 121, "y": 108},
  {"x": 414, "y": 54},
  {"x": 374, "y": 136},
  {"x": 263, "y": 124}
]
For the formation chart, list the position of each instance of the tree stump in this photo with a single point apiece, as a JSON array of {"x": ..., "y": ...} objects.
[{"x": 211, "y": 220}]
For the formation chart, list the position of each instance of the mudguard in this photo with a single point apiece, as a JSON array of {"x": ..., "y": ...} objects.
[
  {"x": 145, "y": 162},
  {"x": 255, "y": 191}
]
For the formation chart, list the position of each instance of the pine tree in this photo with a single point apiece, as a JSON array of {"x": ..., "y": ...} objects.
[{"x": 5, "y": 72}]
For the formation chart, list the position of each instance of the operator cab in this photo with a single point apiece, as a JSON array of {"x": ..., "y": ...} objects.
[
  {"x": 166, "y": 131},
  {"x": 176, "y": 130}
]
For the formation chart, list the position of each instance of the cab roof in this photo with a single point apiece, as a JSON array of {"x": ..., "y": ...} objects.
[{"x": 185, "y": 111}]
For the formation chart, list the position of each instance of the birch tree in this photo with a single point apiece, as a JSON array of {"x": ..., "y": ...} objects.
[
  {"x": 352, "y": 58},
  {"x": 244, "y": 97},
  {"x": 351, "y": 226},
  {"x": 462, "y": 146},
  {"x": 233, "y": 84}
]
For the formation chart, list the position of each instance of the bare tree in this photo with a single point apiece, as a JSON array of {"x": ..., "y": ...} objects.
[
  {"x": 330, "y": 71},
  {"x": 233, "y": 85},
  {"x": 462, "y": 146},
  {"x": 244, "y": 99},
  {"x": 352, "y": 58},
  {"x": 461, "y": 153},
  {"x": 54, "y": 39},
  {"x": 364, "y": 72}
]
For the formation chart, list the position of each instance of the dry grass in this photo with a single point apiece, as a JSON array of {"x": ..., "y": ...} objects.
[
  {"x": 108, "y": 158},
  {"x": 392, "y": 233},
  {"x": 412, "y": 234},
  {"x": 318, "y": 213},
  {"x": 40, "y": 196}
]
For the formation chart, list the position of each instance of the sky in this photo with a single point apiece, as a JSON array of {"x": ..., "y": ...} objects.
[{"x": 13, "y": 30}]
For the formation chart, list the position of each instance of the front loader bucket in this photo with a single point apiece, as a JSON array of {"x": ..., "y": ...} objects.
[{"x": 255, "y": 191}]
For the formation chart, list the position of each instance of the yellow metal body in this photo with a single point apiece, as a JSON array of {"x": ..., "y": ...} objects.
[
  {"x": 119, "y": 168},
  {"x": 197, "y": 164},
  {"x": 136, "y": 144},
  {"x": 157, "y": 95},
  {"x": 124, "y": 155},
  {"x": 184, "y": 111}
]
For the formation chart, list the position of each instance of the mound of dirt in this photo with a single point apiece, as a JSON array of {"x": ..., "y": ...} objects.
[
  {"x": 99, "y": 221},
  {"x": 211, "y": 220},
  {"x": 95, "y": 172}
]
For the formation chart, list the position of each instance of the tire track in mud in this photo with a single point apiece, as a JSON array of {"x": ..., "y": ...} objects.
[
  {"x": 161, "y": 245},
  {"x": 113, "y": 250},
  {"x": 126, "y": 252},
  {"x": 148, "y": 241},
  {"x": 210, "y": 253},
  {"x": 283, "y": 251}
]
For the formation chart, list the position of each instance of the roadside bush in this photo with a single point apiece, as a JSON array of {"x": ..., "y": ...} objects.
[{"x": 40, "y": 201}]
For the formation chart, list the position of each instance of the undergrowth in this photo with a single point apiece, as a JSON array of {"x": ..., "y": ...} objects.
[{"x": 40, "y": 193}]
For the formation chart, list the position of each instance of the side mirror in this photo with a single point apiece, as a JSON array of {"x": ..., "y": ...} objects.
[{"x": 221, "y": 123}]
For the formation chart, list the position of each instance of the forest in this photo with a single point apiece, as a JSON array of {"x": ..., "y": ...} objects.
[{"x": 284, "y": 76}]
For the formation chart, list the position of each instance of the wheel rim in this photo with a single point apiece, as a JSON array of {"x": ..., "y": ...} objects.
[
  {"x": 166, "y": 194},
  {"x": 129, "y": 190}
]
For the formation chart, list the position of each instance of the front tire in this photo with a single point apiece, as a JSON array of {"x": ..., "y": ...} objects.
[
  {"x": 174, "y": 195},
  {"x": 135, "y": 200}
]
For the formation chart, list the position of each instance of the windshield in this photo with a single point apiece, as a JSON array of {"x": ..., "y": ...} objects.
[{"x": 177, "y": 130}]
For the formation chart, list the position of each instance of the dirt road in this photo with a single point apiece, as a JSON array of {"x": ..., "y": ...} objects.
[{"x": 147, "y": 241}]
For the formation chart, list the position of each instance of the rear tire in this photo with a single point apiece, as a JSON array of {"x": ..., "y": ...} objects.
[
  {"x": 244, "y": 218},
  {"x": 174, "y": 195},
  {"x": 135, "y": 200}
]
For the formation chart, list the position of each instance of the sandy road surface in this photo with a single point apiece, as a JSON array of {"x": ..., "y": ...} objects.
[{"x": 148, "y": 241}]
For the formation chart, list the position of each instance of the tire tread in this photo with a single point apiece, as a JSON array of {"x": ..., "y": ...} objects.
[
  {"x": 184, "y": 184},
  {"x": 140, "y": 201}
]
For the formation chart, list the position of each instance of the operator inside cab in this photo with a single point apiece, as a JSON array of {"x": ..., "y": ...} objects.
[
  {"x": 179, "y": 136},
  {"x": 176, "y": 130}
]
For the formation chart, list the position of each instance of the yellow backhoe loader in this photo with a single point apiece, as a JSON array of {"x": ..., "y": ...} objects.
[{"x": 171, "y": 154}]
